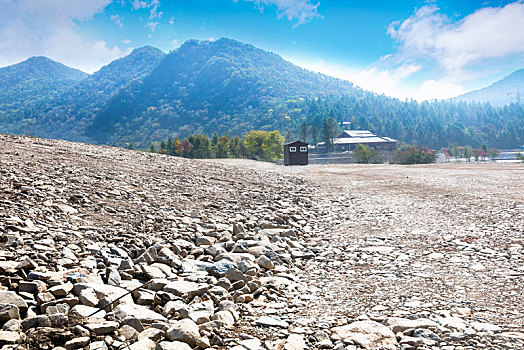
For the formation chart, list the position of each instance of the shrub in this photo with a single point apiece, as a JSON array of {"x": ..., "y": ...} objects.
[{"x": 414, "y": 155}]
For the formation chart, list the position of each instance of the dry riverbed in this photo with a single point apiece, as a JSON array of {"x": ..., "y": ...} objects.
[
  {"x": 103, "y": 248},
  {"x": 441, "y": 242}
]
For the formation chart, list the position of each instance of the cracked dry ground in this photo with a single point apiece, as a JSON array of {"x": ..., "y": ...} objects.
[{"x": 441, "y": 241}]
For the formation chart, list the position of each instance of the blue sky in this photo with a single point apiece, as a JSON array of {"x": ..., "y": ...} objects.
[{"x": 404, "y": 48}]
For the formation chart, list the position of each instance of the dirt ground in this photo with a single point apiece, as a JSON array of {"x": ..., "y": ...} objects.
[{"x": 412, "y": 240}]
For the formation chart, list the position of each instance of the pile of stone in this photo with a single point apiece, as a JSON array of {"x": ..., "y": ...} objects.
[{"x": 103, "y": 248}]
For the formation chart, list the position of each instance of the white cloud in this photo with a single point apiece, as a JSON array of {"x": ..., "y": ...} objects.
[
  {"x": 175, "y": 43},
  {"x": 126, "y": 41},
  {"x": 172, "y": 21},
  {"x": 441, "y": 90},
  {"x": 119, "y": 21},
  {"x": 488, "y": 33},
  {"x": 388, "y": 82},
  {"x": 153, "y": 6},
  {"x": 49, "y": 28},
  {"x": 152, "y": 25},
  {"x": 301, "y": 11}
]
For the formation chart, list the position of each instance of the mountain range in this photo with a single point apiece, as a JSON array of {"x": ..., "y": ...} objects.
[
  {"x": 224, "y": 86},
  {"x": 503, "y": 92}
]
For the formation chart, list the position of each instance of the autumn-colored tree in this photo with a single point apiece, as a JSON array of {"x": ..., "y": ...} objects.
[
  {"x": 186, "y": 146},
  {"x": 223, "y": 147},
  {"x": 178, "y": 148}
]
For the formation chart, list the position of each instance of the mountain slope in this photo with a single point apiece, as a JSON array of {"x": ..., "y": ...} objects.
[
  {"x": 67, "y": 116},
  {"x": 500, "y": 93},
  {"x": 34, "y": 80},
  {"x": 222, "y": 85}
]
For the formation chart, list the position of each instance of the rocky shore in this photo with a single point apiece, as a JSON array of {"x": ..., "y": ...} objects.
[{"x": 104, "y": 248}]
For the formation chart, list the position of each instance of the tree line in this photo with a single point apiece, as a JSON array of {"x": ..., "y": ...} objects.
[
  {"x": 256, "y": 144},
  {"x": 431, "y": 124}
]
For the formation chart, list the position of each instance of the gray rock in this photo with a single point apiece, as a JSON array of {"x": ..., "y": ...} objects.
[
  {"x": 54, "y": 320},
  {"x": 113, "y": 276},
  {"x": 11, "y": 298},
  {"x": 397, "y": 324},
  {"x": 83, "y": 311},
  {"x": 104, "y": 290},
  {"x": 265, "y": 262},
  {"x": 267, "y": 321},
  {"x": 185, "y": 331},
  {"x": 9, "y": 312},
  {"x": 139, "y": 312},
  {"x": 7, "y": 337},
  {"x": 426, "y": 333},
  {"x": 144, "y": 344},
  {"x": 154, "y": 334},
  {"x": 77, "y": 343},
  {"x": 128, "y": 332},
  {"x": 98, "y": 345},
  {"x": 61, "y": 290},
  {"x": 295, "y": 342},
  {"x": 225, "y": 317},
  {"x": 172, "y": 345},
  {"x": 200, "y": 312},
  {"x": 251, "y": 344},
  {"x": 219, "y": 268},
  {"x": 102, "y": 328},
  {"x": 185, "y": 289},
  {"x": 88, "y": 297},
  {"x": 367, "y": 334}
]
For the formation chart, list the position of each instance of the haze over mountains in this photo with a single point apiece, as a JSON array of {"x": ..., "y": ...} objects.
[
  {"x": 500, "y": 93},
  {"x": 224, "y": 86}
]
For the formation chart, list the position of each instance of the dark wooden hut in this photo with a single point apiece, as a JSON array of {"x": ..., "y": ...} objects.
[{"x": 296, "y": 153}]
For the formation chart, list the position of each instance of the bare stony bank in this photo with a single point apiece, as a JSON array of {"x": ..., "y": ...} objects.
[{"x": 103, "y": 248}]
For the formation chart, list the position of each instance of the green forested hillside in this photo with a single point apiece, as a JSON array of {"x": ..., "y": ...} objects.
[
  {"x": 221, "y": 85},
  {"x": 71, "y": 111},
  {"x": 227, "y": 86},
  {"x": 33, "y": 82}
]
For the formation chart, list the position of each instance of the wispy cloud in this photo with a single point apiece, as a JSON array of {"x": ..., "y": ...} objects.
[
  {"x": 154, "y": 12},
  {"x": 119, "y": 21},
  {"x": 49, "y": 28},
  {"x": 299, "y": 11}
]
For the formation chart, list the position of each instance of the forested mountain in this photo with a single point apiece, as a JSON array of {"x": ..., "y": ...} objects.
[
  {"x": 228, "y": 86},
  {"x": 207, "y": 86},
  {"x": 500, "y": 93},
  {"x": 72, "y": 110},
  {"x": 33, "y": 81},
  {"x": 433, "y": 124}
]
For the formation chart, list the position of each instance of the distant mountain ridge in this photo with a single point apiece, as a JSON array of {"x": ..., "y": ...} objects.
[
  {"x": 33, "y": 80},
  {"x": 226, "y": 86},
  {"x": 500, "y": 93}
]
